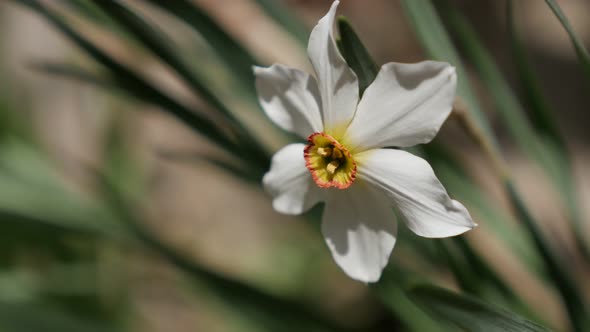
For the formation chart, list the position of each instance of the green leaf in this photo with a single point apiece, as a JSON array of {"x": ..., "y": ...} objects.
[
  {"x": 570, "y": 294},
  {"x": 272, "y": 313},
  {"x": 392, "y": 294},
  {"x": 126, "y": 77},
  {"x": 433, "y": 36},
  {"x": 540, "y": 113},
  {"x": 469, "y": 313},
  {"x": 29, "y": 188},
  {"x": 83, "y": 75},
  {"x": 356, "y": 55},
  {"x": 92, "y": 13},
  {"x": 160, "y": 45},
  {"x": 457, "y": 181},
  {"x": 513, "y": 117},
  {"x": 226, "y": 165},
  {"x": 545, "y": 125},
  {"x": 507, "y": 105},
  {"x": 234, "y": 56},
  {"x": 283, "y": 15},
  {"x": 581, "y": 51},
  {"x": 16, "y": 317}
]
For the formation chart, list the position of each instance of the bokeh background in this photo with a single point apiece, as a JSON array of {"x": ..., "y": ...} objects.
[{"x": 65, "y": 130}]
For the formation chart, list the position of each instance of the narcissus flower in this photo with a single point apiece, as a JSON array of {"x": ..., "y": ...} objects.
[{"x": 347, "y": 161}]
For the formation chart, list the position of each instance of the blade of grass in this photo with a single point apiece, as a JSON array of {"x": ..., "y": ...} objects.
[
  {"x": 554, "y": 270},
  {"x": 434, "y": 38},
  {"x": 513, "y": 116},
  {"x": 469, "y": 313},
  {"x": 84, "y": 76},
  {"x": 280, "y": 13},
  {"x": 235, "y": 57},
  {"x": 30, "y": 188},
  {"x": 17, "y": 317},
  {"x": 273, "y": 313},
  {"x": 392, "y": 294},
  {"x": 159, "y": 44},
  {"x": 540, "y": 113},
  {"x": 581, "y": 51},
  {"x": 545, "y": 125},
  {"x": 570, "y": 295},
  {"x": 507, "y": 105},
  {"x": 457, "y": 181},
  {"x": 92, "y": 13},
  {"x": 356, "y": 55},
  {"x": 128, "y": 78}
]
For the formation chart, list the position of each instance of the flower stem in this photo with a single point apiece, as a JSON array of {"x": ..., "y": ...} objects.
[{"x": 467, "y": 122}]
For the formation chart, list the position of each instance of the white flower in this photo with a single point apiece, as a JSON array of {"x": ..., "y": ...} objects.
[{"x": 346, "y": 163}]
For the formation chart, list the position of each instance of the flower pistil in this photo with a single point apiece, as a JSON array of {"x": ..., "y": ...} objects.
[{"x": 330, "y": 163}]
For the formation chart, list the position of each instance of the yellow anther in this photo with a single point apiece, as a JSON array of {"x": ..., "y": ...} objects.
[
  {"x": 329, "y": 162},
  {"x": 325, "y": 151},
  {"x": 332, "y": 166}
]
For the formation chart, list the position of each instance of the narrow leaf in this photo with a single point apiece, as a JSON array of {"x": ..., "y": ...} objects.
[
  {"x": 160, "y": 45},
  {"x": 392, "y": 294},
  {"x": 570, "y": 294},
  {"x": 234, "y": 56},
  {"x": 545, "y": 125},
  {"x": 433, "y": 35},
  {"x": 581, "y": 51},
  {"x": 273, "y": 313},
  {"x": 540, "y": 112},
  {"x": 127, "y": 77},
  {"x": 283, "y": 15},
  {"x": 26, "y": 317},
  {"x": 356, "y": 55},
  {"x": 512, "y": 115},
  {"x": 469, "y": 313}
]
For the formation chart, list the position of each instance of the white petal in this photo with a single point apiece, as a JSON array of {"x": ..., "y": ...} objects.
[
  {"x": 290, "y": 183},
  {"x": 290, "y": 98},
  {"x": 360, "y": 230},
  {"x": 405, "y": 105},
  {"x": 337, "y": 82},
  {"x": 410, "y": 183}
]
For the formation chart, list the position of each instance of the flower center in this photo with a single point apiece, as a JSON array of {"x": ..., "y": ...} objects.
[{"x": 329, "y": 162}]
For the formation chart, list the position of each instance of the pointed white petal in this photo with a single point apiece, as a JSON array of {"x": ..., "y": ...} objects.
[
  {"x": 405, "y": 105},
  {"x": 360, "y": 230},
  {"x": 337, "y": 82},
  {"x": 290, "y": 183},
  {"x": 410, "y": 183},
  {"x": 290, "y": 98}
]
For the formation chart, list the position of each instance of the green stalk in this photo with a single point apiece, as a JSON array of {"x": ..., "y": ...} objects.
[
  {"x": 425, "y": 20},
  {"x": 545, "y": 125},
  {"x": 157, "y": 43},
  {"x": 581, "y": 51},
  {"x": 570, "y": 294},
  {"x": 198, "y": 122}
]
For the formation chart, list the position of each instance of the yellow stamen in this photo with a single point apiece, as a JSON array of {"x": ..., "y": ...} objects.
[
  {"x": 329, "y": 162},
  {"x": 332, "y": 166},
  {"x": 325, "y": 151}
]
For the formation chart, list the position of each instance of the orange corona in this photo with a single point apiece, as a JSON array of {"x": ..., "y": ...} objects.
[{"x": 330, "y": 163}]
